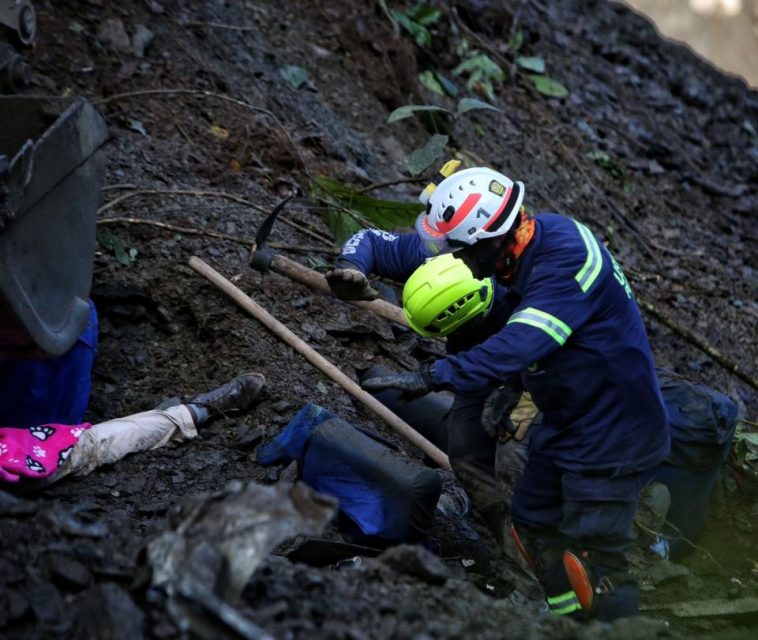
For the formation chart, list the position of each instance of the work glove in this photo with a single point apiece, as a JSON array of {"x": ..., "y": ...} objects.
[
  {"x": 412, "y": 384},
  {"x": 350, "y": 284},
  {"x": 496, "y": 414}
]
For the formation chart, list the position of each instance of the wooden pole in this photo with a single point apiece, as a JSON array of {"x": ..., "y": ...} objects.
[
  {"x": 317, "y": 360},
  {"x": 315, "y": 280}
]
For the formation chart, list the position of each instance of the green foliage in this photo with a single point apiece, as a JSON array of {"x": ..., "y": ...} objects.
[
  {"x": 437, "y": 83},
  {"x": 416, "y": 21},
  {"x": 481, "y": 73},
  {"x": 464, "y": 106},
  {"x": 516, "y": 41},
  {"x": 531, "y": 63},
  {"x": 410, "y": 109},
  {"x": 470, "y": 104},
  {"x": 745, "y": 447},
  {"x": 427, "y": 155},
  {"x": 613, "y": 167},
  {"x": 348, "y": 211},
  {"x": 423, "y": 157},
  {"x": 549, "y": 87},
  {"x": 113, "y": 245}
]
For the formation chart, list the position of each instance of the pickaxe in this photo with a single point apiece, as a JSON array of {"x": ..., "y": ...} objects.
[{"x": 264, "y": 258}]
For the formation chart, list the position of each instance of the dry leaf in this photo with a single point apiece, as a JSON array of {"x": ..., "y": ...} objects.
[{"x": 220, "y": 132}]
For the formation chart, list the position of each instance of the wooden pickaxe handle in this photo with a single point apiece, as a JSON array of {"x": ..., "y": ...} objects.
[
  {"x": 316, "y": 359},
  {"x": 314, "y": 279}
]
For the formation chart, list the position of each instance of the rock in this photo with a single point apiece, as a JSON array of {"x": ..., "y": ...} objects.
[
  {"x": 250, "y": 439},
  {"x": 12, "y": 606},
  {"x": 141, "y": 40},
  {"x": 46, "y": 603},
  {"x": 67, "y": 572},
  {"x": 417, "y": 562},
  {"x": 281, "y": 406},
  {"x": 10, "y": 572},
  {"x": 665, "y": 572},
  {"x": 112, "y": 34},
  {"x": 10, "y": 505},
  {"x": 107, "y": 611},
  {"x": 290, "y": 473}
]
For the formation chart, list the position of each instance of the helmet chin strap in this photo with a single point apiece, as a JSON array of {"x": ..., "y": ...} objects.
[{"x": 512, "y": 249}]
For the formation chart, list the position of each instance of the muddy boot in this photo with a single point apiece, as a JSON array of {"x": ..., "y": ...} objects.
[{"x": 230, "y": 399}]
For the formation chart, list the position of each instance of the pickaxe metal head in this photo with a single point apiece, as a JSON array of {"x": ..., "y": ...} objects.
[{"x": 262, "y": 255}]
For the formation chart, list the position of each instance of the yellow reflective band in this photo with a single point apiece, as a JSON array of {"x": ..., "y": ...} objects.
[
  {"x": 564, "y": 604},
  {"x": 555, "y": 328},
  {"x": 591, "y": 269}
]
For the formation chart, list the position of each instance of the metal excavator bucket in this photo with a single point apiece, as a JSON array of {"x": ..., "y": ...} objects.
[{"x": 51, "y": 171}]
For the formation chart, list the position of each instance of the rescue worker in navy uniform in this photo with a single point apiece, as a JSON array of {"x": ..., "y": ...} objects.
[
  {"x": 576, "y": 337},
  {"x": 470, "y": 448}
]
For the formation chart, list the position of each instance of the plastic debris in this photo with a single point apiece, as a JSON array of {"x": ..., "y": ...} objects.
[{"x": 216, "y": 541}]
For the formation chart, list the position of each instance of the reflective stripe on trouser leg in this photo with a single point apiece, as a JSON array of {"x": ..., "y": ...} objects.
[{"x": 564, "y": 603}]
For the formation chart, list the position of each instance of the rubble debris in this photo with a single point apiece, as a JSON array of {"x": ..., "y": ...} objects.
[
  {"x": 415, "y": 561},
  {"x": 107, "y": 611},
  {"x": 216, "y": 541},
  {"x": 709, "y": 608}
]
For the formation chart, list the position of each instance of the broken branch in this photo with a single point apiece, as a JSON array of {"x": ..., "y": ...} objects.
[
  {"x": 217, "y": 234},
  {"x": 209, "y": 194},
  {"x": 700, "y": 343}
]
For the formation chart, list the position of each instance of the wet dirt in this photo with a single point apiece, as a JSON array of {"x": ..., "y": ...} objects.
[{"x": 681, "y": 222}]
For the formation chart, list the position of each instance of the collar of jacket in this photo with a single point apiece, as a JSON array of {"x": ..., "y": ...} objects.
[{"x": 517, "y": 280}]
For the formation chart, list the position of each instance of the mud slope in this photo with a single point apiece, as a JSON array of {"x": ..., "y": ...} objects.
[{"x": 199, "y": 105}]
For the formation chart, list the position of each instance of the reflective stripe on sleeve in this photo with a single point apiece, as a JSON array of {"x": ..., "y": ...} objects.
[
  {"x": 594, "y": 263},
  {"x": 564, "y": 604},
  {"x": 555, "y": 328}
]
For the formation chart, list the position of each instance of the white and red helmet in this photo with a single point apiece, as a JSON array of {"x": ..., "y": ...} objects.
[{"x": 469, "y": 206}]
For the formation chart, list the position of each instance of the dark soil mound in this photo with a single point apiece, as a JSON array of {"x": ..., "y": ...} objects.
[{"x": 652, "y": 147}]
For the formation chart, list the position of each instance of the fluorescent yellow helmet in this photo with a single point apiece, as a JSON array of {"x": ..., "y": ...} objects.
[{"x": 442, "y": 295}]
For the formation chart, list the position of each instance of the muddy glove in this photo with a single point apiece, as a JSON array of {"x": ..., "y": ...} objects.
[
  {"x": 412, "y": 384},
  {"x": 496, "y": 414},
  {"x": 350, "y": 284}
]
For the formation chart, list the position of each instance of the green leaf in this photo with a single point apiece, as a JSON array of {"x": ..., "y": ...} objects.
[
  {"x": 516, "y": 41},
  {"x": 296, "y": 76},
  {"x": 613, "y": 167},
  {"x": 430, "y": 81},
  {"x": 549, "y": 87},
  {"x": 483, "y": 64},
  {"x": 447, "y": 85},
  {"x": 417, "y": 31},
  {"x": 425, "y": 14},
  {"x": 470, "y": 104},
  {"x": 408, "y": 110},
  {"x": 111, "y": 243},
  {"x": 531, "y": 63},
  {"x": 750, "y": 437},
  {"x": 427, "y": 155},
  {"x": 349, "y": 211}
]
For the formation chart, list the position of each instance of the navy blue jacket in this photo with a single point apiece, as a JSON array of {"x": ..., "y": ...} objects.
[
  {"x": 397, "y": 256},
  {"x": 576, "y": 335}
]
